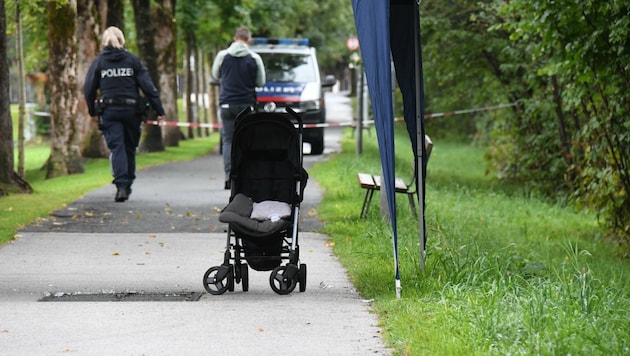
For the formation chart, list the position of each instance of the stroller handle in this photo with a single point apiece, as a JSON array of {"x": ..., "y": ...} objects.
[{"x": 298, "y": 117}]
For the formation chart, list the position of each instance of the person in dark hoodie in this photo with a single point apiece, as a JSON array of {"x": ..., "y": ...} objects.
[
  {"x": 112, "y": 94},
  {"x": 239, "y": 72}
]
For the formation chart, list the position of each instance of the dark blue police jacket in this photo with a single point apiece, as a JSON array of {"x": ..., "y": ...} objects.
[{"x": 119, "y": 74}]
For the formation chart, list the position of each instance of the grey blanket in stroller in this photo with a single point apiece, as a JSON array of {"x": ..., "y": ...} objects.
[{"x": 258, "y": 219}]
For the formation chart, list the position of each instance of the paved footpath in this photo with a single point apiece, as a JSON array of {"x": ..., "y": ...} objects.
[{"x": 105, "y": 278}]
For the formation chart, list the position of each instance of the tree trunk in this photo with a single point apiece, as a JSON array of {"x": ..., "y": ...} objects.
[
  {"x": 6, "y": 125},
  {"x": 115, "y": 14},
  {"x": 203, "y": 81},
  {"x": 188, "y": 91},
  {"x": 10, "y": 182},
  {"x": 165, "y": 34},
  {"x": 22, "y": 114},
  {"x": 65, "y": 154},
  {"x": 198, "y": 92},
  {"x": 151, "y": 140},
  {"x": 213, "y": 98},
  {"x": 88, "y": 31}
]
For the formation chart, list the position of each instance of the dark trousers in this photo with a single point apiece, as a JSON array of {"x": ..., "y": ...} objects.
[
  {"x": 121, "y": 129},
  {"x": 228, "y": 116}
]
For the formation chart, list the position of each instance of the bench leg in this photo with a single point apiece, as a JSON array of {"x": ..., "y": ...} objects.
[
  {"x": 364, "y": 206},
  {"x": 366, "y": 203},
  {"x": 412, "y": 204}
]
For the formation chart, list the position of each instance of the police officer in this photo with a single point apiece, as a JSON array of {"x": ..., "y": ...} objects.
[
  {"x": 240, "y": 71},
  {"x": 112, "y": 93}
]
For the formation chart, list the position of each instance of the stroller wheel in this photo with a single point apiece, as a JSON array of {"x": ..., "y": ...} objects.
[
  {"x": 217, "y": 279},
  {"x": 283, "y": 279},
  {"x": 244, "y": 277},
  {"x": 302, "y": 277}
]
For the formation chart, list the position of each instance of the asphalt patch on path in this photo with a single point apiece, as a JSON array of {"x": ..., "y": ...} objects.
[{"x": 122, "y": 297}]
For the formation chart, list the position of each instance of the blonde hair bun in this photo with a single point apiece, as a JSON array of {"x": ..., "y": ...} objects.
[{"x": 114, "y": 37}]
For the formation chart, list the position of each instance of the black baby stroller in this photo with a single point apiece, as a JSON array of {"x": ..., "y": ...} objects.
[{"x": 267, "y": 187}]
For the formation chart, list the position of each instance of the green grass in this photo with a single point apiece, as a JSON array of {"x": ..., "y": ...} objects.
[
  {"x": 506, "y": 271},
  {"x": 17, "y": 210}
]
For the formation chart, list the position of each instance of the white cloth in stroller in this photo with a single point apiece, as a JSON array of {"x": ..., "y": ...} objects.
[
  {"x": 263, "y": 217},
  {"x": 270, "y": 209}
]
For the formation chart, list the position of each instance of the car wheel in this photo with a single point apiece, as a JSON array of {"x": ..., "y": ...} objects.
[{"x": 317, "y": 143}]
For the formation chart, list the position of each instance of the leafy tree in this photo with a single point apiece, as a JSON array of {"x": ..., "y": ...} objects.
[
  {"x": 6, "y": 125},
  {"x": 151, "y": 135},
  {"x": 9, "y": 180},
  {"x": 188, "y": 20},
  {"x": 327, "y": 24},
  {"x": 114, "y": 13},
  {"x": 165, "y": 42},
  {"x": 198, "y": 22},
  {"x": 582, "y": 52},
  {"x": 461, "y": 63},
  {"x": 65, "y": 155},
  {"x": 88, "y": 35},
  {"x": 566, "y": 68}
]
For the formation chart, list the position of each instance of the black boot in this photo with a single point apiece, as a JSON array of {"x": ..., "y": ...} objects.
[{"x": 121, "y": 194}]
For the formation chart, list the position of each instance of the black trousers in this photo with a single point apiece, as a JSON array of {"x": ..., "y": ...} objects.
[
  {"x": 121, "y": 128},
  {"x": 228, "y": 118}
]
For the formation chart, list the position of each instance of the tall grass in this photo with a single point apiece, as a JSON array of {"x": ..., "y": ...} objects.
[{"x": 507, "y": 272}]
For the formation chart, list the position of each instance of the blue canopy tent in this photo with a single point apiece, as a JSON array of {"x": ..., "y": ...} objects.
[{"x": 390, "y": 31}]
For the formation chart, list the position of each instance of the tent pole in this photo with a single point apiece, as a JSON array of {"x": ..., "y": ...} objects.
[{"x": 421, "y": 146}]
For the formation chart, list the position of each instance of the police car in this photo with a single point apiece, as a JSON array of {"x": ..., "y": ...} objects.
[{"x": 293, "y": 79}]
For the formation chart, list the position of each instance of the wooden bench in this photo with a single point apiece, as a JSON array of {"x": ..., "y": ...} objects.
[{"x": 372, "y": 183}]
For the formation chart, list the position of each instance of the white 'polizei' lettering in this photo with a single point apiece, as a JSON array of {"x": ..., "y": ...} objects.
[{"x": 117, "y": 72}]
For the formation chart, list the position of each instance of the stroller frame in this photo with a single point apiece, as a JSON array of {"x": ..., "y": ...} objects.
[{"x": 266, "y": 250}]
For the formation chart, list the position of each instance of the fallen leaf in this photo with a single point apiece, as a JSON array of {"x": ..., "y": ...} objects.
[
  {"x": 329, "y": 243},
  {"x": 260, "y": 329},
  {"x": 138, "y": 216},
  {"x": 4, "y": 331},
  {"x": 89, "y": 213},
  {"x": 116, "y": 254},
  {"x": 153, "y": 236}
]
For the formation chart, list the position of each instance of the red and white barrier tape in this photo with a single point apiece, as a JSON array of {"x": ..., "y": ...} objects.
[
  {"x": 468, "y": 111},
  {"x": 218, "y": 125},
  {"x": 336, "y": 124}
]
